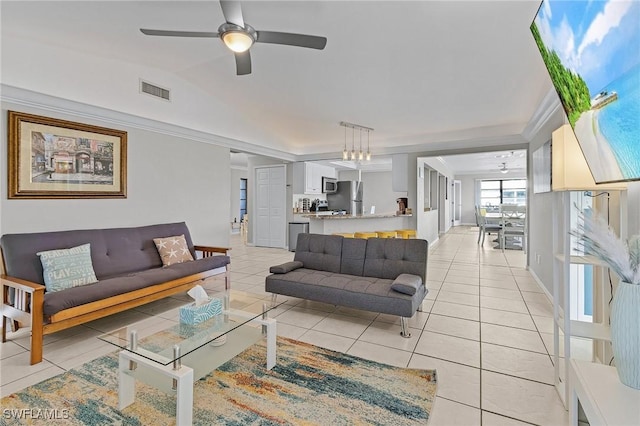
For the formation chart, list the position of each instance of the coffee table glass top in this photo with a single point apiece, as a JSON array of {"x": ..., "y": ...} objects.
[{"x": 232, "y": 327}]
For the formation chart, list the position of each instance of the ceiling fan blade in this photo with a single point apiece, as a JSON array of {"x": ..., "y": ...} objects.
[
  {"x": 243, "y": 63},
  {"x": 178, "y": 33},
  {"x": 301, "y": 40},
  {"x": 232, "y": 12}
]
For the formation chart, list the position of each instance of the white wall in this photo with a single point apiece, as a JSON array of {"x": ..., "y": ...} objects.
[
  {"x": 169, "y": 179},
  {"x": 428, "y": 221},
  {"x": 540, "y": 215},
  {"x": 633, "y": 191},
  {"x": 117, "y": 90},
  {"x": 236, "y": 175}
]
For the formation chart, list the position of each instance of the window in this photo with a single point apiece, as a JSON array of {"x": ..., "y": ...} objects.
[
  {"x": 243, "y": 198},
  {"x": 496, "y": 192}
]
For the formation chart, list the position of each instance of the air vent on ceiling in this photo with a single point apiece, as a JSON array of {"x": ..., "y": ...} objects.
[{"x": 153, "y": 90}]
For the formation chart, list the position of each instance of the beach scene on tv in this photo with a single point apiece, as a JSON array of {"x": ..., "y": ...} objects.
[{"x": 592, "y": 52}]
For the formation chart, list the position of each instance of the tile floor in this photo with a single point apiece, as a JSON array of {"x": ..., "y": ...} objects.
[{"x": 486, "y": 328}]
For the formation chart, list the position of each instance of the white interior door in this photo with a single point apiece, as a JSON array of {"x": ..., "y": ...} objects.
[
  {"x": 456, "y": 203},
  {"x": 270, "y": 206}
]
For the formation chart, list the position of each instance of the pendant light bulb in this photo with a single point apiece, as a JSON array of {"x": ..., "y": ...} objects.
[{"x": 368, "y": 151}]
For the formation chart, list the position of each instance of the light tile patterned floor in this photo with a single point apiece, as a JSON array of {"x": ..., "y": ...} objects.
[{"x": 481, "y": 329}]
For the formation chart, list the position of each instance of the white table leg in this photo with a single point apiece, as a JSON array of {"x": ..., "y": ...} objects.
[
  {"x": 184, "y": 399},
  {"x": 184, "y": 377},
  {"x": 271, "y": 342},
  {"x": 126, "y": 383}
]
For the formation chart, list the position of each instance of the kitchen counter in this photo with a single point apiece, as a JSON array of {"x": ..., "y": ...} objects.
[
  {"x": 330, "y": 224},
  {"x": 329, "y": 216}
]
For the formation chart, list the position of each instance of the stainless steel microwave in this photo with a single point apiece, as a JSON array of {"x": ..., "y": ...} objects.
[{"x": 329, "y": 185}]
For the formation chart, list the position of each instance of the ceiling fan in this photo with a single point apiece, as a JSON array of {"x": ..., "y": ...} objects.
[
  {"x": 503, "y": 168},
  {"x": 239, "y": 36}
]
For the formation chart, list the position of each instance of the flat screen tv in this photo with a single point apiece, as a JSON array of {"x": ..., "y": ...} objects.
[{"x": 592, "y": 52}]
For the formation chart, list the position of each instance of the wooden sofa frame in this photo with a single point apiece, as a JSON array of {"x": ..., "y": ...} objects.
[{"x": 28, "y": 302}]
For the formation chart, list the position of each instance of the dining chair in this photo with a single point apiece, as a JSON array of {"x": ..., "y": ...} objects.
[
  {"x": 514, "y": 224},
  {"x": 485, "y": 227}
]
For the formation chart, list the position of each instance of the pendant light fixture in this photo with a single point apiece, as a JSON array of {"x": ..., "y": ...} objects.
[
  {"x": 354, "y": 155},
  {"x": 345, "y": 153},
  {"x": 353, "y": 149}
]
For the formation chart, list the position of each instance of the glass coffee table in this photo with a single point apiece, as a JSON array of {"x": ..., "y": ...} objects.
[{"x": 173, "y": 359}]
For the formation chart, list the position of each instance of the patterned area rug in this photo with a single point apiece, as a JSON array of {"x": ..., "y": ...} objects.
[{"x": 309, "y": 385}]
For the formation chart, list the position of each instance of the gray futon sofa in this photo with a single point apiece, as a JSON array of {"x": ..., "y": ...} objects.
[
  {"x": 385, "y": 275},
  {"x": 126, "y": 262}
]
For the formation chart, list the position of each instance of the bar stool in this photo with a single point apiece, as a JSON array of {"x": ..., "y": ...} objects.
[
  {"x": 365, "y": 235},
  {"x": 386, "y": 234},
  {"x": 344, "y": 234},
  {"x": 406, "y": 233}
]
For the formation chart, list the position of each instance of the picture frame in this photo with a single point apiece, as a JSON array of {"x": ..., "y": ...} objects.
[{"x": 53, "y": 158}]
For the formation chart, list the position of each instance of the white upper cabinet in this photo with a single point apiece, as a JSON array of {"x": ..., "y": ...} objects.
[{"x": 307, "y": 177}]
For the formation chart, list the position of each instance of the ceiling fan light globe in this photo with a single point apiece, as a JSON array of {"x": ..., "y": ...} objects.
[{"x": 238, "y": 41}]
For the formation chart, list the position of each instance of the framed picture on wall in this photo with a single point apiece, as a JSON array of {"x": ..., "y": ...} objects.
[{"x": 51, "y": 158}]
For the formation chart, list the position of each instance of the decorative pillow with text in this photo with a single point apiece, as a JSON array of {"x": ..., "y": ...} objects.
[
  {"x": 66, "y": 268},
  {"x": 173, "y": 250}
]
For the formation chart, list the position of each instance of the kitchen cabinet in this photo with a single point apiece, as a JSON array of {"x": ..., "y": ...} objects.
[{"x": 307, "y": 177}]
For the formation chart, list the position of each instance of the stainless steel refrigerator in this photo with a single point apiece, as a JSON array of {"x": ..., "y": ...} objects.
[{"x": 348, "y": 197}]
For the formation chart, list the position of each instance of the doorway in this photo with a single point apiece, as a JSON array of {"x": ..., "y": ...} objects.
[
  {"x": 270, "y": 219},
  {"x": 456, "y": 203}
]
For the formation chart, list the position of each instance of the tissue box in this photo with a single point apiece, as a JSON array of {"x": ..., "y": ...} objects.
[{"x": 192, "y": 314}]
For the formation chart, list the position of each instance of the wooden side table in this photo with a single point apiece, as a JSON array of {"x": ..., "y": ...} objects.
[{"x": 604, "y": 399}]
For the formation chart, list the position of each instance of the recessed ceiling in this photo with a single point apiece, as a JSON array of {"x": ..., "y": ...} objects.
[
  {"x": 424, "y": 74},
  {"x": 488, "y": 163}
]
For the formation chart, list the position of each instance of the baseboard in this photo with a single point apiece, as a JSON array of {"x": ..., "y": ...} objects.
[{"x": 544, "y": 289}]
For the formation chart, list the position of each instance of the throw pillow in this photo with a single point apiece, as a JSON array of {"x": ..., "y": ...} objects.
[
  {"x": 66, "y": 268},
  {"x": 173, "y": 250},
  {"x": 407, "y": 284},
  {"x": 286, "y": 267}
]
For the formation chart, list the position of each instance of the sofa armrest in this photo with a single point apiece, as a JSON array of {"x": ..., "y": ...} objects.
[
  {"x": 20, "y": 284},
  {"x": 407, "y": 284},
  {"x": 286, "y": 267},
  {"x": 209, "y": 251},
  {"x": 27, "y": 306}
]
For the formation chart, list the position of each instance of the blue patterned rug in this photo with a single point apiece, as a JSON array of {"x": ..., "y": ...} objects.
[{"x": 309, "y": 385}]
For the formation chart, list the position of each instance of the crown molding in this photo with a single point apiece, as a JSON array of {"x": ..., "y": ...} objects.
[
  {"x": 547, "y": 108},
  {"x": 57, "y": 105}
]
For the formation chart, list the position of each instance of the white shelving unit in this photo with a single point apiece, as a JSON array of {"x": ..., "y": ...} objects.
[
  {"x": 564, "y": 256},
  {"x": 604, "y": 399}
]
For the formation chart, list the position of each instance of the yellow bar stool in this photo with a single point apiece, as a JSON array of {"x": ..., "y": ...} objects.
[
  {"x": 406, "y": 233},
  {"x": 387, "y": 234},
  {"x": 365, "y": 235},
  {"x": 344, "y": 234}
]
